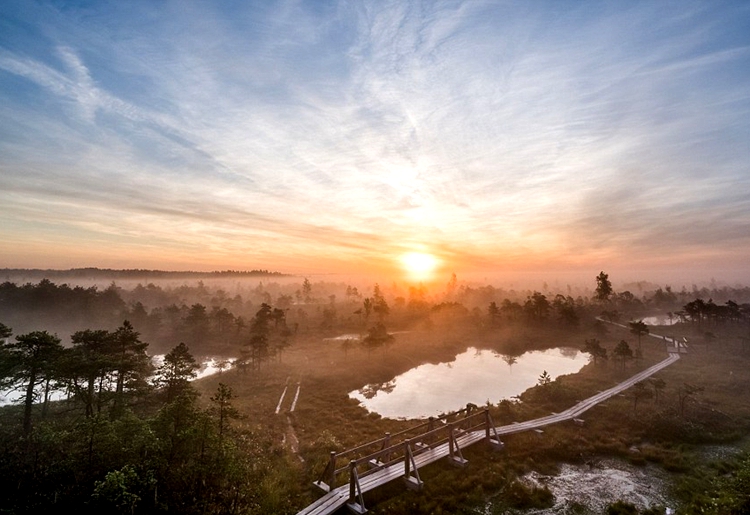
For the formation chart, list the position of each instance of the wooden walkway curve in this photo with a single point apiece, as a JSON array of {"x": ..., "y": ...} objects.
[{"x": 427, "y": 444}]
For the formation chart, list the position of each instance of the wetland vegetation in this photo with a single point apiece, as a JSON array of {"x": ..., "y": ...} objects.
[{"x": 129, "y": 438}]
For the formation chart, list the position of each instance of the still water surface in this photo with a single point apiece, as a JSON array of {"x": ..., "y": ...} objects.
[{"x": 475, "y": 376}]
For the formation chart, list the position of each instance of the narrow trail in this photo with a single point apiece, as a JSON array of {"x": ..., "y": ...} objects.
[
  {"x": 289, "y": 438},
  {"x": 281, "y": 399},
  {"x": 292, "y": 440},
  {"x": 296, "y": 396}
]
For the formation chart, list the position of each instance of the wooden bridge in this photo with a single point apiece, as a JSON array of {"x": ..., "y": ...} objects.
[
  {"x": 400, "y": 455},
  {"x": 376, "y": 463}
]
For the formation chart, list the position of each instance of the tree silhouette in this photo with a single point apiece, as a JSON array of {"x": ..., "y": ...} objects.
[
  {"x": 367, "y": 306},
  {"x": 175, "y": 373},
  {"x": 88, "y": 366},
  {"x": 377, "y": 336},
  {"x": 639, "y": 329},
  {"x": 695, "y": 310},
  {"x": 306, "y": 290},
  {"x": 594, "y": 348},
  {"x": 196, "y": 325},
  {"x": 29, "y": 362},
  {"x": 256, "y": 349},
  {"x": 510, "y": 360},
  {"x": 511, "y": 310},
  {"x": 379, "y": 305},
  {"x": 131, "y": 364},
  {"x": 494, "y": 312},
  {"x": 603, "y": 287},
  {"x": 622, "y": 352},
  {"x": 536, "y": 306},
  {"x": 566, "y": 310},
  {"x": 544, "y": 379},
  {"x": 658, "y": 385},
  {"x": 222, "y": 407}
]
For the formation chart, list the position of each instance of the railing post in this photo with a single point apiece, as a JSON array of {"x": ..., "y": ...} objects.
[
  {"x": 487, "y": 423},
  {"x": 386, "y": 445},
  {"x": 455, "y": 457},
  {"x": 352, "y": 481},
  {"x": 412, "y": 482},
  {"x": 407, "y": 458},
  {"x": 332, "y": 466}
]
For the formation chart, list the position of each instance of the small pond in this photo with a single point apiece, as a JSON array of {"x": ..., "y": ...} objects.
[
  {"x": 660, "y": 320},
  {"x": 475, "y": 376}
]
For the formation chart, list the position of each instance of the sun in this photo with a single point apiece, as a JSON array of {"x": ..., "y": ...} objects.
[{"x": 419, "y": 265}]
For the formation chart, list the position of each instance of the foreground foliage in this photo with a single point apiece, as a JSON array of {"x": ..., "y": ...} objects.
[{"x": 164, "y": 453}]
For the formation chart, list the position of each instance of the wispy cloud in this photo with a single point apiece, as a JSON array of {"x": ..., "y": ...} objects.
[{"x": 487, "y": 131}]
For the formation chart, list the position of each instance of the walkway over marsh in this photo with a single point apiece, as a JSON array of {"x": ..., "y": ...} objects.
[{"x": 401, "y": 455}]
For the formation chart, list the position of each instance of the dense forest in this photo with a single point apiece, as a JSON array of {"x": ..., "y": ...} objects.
[{"x": 98, "y": 424}]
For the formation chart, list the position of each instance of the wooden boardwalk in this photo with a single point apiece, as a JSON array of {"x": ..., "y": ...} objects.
[
  {"x": 340, "y": 496},
  {"x": 404, "y": 458}
]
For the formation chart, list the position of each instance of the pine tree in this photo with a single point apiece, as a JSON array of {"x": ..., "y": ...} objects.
[
  {"x": 27, "y": 363},
  {"x": 175, "y": 373}
]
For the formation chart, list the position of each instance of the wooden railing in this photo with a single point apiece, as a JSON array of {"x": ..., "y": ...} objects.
[{"x": 363, "y": 460}]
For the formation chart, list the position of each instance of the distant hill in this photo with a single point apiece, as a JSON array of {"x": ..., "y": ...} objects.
[{"x": 133, "y": 274}]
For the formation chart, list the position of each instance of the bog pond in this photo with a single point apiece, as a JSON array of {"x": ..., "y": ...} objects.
[{"x": 474, "y": 376}]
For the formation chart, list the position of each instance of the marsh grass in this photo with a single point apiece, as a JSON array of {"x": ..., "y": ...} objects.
[{"x": 327, "y": 419}]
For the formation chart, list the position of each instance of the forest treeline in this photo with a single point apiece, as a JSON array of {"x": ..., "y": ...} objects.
[
  {"x": 213, "y": 321},
  {"x": 125, "y": 437}
]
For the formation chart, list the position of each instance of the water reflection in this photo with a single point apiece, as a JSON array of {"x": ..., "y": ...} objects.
[
  {"x": 475, "y": 376},
  {"x": 371, "y": 390}
]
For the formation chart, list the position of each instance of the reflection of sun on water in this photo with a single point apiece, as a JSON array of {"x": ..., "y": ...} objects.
[{"x": 419, "y": 265}]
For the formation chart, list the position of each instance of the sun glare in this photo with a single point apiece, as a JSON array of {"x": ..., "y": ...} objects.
[{"x": 419, "y": 265}]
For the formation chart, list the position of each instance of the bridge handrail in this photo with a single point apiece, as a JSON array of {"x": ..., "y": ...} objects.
[
  {"x": 397, "y": 448},
  {"x": 380, "y": 441},
  {"x": 354, "y": 450},
  {"x": 400, "y": 449},
  {"x": 359, "y": 448}
]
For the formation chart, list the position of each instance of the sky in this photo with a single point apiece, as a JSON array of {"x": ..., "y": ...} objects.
[{"x": 492, "y": 137}]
